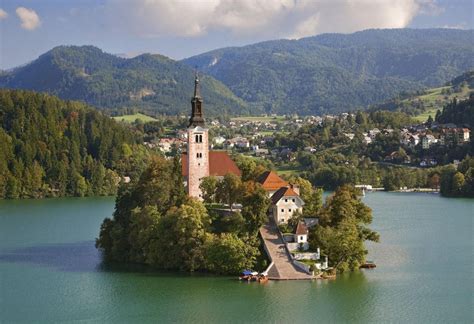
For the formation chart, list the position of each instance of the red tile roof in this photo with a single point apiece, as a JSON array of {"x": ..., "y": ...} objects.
[
  {"x": 283, "y": 192},
  {"x": 220, "y": 164},
  {"x": 301, "y": 229},
  {"x": 271, "y": 181}
]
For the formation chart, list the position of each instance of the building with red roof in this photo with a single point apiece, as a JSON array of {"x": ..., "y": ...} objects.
[
  {"x": 271, "y": 182},
  {"x": 285, "y": 202},
  {"x": 220, "y": 164}
]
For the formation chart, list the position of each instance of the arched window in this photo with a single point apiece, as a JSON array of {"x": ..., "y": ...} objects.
[
  {"x": 200, "y": 138},
  {"x": 197, "y": 138}
]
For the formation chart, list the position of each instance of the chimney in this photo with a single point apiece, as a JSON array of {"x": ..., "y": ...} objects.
[{"x": 295, "y": 188}]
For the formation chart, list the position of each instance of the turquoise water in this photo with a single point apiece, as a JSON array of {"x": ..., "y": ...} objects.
[{"x": 51, "y": 272}]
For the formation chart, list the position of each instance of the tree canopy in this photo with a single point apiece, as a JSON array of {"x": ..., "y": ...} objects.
[{"x": 51, "y": 148}]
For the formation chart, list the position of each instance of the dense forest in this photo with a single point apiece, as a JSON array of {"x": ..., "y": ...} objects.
[
  {"x": 151, "y": 83},
  {"x": 333, "y": 73},
  {"x": 458, "y": 182},
  {"x": 458, "y": 112},
  {"x": 52, "y": 148}
]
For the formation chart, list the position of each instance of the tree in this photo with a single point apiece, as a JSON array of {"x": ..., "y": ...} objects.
[
  {"x": 434, "y": 181},
  {"x": 457, "y": 183},
  {"x": 227, "y": 254},
  {"x": 312, "y": 197},
  {"x": 180, "y": 237},
  {"x": 144, "y": 223},
  {"x": 208, "y": 187},
  {"x": 341, "y": 232},
  {"x": 229, "y": 189},
  {"x": 255, "y": 205}
]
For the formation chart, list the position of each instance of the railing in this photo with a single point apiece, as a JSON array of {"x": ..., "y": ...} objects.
[{"x": 268, "y": 254}]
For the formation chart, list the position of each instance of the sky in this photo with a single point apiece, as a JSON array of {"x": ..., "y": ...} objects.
[{"x": 183, "y": 28}]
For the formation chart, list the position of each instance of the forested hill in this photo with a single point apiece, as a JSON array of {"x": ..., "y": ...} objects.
[
  {"x": 50, "y": 147},
  {"x": 336, "y": 72},
  {"x": 151, "y": 83}
]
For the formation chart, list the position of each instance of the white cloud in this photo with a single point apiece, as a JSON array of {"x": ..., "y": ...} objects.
[
  {"x": 29, "y": 18},
  {"x": 3, "y": 14},
  {"x": 276, "y": 18}
]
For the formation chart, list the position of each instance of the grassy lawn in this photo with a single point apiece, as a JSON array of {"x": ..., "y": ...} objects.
[
  {"x": 259, "y": 118},
  {"x": 132, "y": 118},
  {"x": 436, "y": 100},
  {"x": 287, "y": 170}
]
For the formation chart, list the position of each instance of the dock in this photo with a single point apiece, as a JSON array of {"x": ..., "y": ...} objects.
[{"x": 282, "y": 267}]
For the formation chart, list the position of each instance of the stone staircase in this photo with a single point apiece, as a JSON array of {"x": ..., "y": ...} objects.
[{"x": 283, "y": 268}]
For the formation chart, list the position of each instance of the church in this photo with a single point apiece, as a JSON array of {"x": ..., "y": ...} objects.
[{"x": 198, "y": 161}]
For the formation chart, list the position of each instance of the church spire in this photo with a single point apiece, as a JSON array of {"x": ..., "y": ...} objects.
[
  {"x": 197, "y": 90},
  {"x": 197, "y": 116}
]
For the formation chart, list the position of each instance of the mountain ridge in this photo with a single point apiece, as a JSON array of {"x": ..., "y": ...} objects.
[
  {"x": 343, "y": 71},
  {"x": 149, "y": 82},
  {"x": 327, "y": 73}
]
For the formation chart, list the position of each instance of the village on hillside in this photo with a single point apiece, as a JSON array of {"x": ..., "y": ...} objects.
[{"x": 258, "y": 138}]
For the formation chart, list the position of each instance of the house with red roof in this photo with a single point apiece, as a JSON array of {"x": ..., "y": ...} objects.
[
  {"x": 271, "y": 182},
  {"x": 301, "y": 235},
  {"x": 285, "y": 202}
]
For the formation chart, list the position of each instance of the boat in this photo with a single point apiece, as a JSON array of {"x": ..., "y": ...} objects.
[
  {"x": 245, "y": 275},
  {"x": 262, "y": 278},
  {"x": 249, "y": 275},
  {"x": 368, "y": 265}
]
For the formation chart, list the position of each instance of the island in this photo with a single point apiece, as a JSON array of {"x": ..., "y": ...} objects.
[{"x": 203, "y": 211}]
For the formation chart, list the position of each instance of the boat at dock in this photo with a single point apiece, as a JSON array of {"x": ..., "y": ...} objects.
[
  {"x": 249, "y": 275},
  {"x": 368, "y": 265}
]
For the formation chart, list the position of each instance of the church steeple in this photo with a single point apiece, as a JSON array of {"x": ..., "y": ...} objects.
[{"x": 197, "y": 116}]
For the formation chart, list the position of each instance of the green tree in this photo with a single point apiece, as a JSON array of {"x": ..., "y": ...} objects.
[
  {"x": 229, "y": 190},
  {"x": 181, "y": 235},
  {"x": 255, "y": 205},
  {"x": 457, "y": 183},
  {"x": 226, "y": 253},
  {"x": 208, "y": 187},
  {"x": 342, "y": 230}
]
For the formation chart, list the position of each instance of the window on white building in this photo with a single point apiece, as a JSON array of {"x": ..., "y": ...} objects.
[
  {"x": 289, "y": 210},
  {"x": 282, "y": 210}
]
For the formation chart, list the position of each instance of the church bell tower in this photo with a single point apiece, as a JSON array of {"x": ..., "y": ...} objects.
[{"x": 198, "y": 145}]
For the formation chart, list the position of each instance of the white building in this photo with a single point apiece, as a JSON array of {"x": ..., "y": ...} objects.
[
  {"x": 285, "y": 202},
  {"x": 427, "y": 140},
  {"x": 301, "y": 235}
]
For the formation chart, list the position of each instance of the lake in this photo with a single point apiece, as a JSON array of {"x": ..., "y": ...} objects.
[{"x": 51, "y": 272}]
